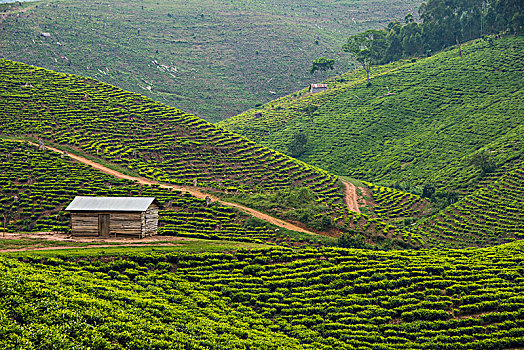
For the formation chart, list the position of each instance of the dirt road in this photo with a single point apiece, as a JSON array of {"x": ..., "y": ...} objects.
[
  {"x": 87, "y": 246},
  {"x": 350, "y": 196},
  {"x": 192, "y": 190},
  {"x": 97, "y": 242}
]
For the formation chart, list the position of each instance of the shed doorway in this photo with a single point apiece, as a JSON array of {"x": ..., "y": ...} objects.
[{"x": 103, "y": 225}]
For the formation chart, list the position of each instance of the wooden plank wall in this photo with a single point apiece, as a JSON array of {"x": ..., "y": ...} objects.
[
  {"x": 84, "y": 224},
  {"x": 121, "y": 223},
  {"x": 125, "y": 224}
]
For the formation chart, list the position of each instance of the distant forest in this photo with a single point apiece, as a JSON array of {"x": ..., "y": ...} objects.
[{"x": 444, "y": 23}]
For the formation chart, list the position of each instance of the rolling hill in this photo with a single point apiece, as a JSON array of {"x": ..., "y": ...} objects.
[
  {"x": 491, "y": 215},
  {"x": 214, "y": 58},
  {"x": 36, "y": 185},
  {"x": 155, "y": 141},
  {"x": 419, "y": 123}
]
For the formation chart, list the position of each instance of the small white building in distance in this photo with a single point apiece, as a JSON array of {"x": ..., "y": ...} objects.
[
  {"x": 316, "y": 88},
  {"x": 46, "y": 35}
]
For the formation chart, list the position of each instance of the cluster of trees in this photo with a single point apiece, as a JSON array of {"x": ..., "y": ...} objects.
[{"x": 444, "y": 23}]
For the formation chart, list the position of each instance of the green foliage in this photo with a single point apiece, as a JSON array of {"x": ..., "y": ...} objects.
[
  {"x": 37, "y": 185},
  {"x": 214, "y": 58},
  {"x": 444, "y": 23},
  {"x": 368, "y": 48},
  {"x": 151, "y": 139},
  {"x": 395, "y": 205},
  {"x": 322, "y": 64},
  {"x": 329, "y": 298},
  {"x": 352, "y": 240},
  {"x": 483, "y": 161},
  {"x": 491, "y": 215},
  {"x": 298, "y": 145},
  {"x": 165, "y": 144}
]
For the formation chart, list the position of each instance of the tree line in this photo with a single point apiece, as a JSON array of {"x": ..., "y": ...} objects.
[{"x": 443, "y": 23}]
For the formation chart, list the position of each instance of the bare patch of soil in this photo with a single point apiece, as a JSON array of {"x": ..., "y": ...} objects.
[{"x": 350, "y": 196}]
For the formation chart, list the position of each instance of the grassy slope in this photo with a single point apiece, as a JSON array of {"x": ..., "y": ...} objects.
[
  {"x": 441, "y": 110},
  {"x": 394, "y": 205},
  {"x": 491, "y": 215},
  {"x": 35, "y": 247},
  {"x": 266, "y": 299},
  {"x": 214, "y": 58}
]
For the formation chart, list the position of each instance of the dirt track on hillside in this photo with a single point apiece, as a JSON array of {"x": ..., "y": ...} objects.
[
  {"x": 350, "y": 196},
  {"x": 192, "y": 190},
  {"x": 98, "y": 242}
]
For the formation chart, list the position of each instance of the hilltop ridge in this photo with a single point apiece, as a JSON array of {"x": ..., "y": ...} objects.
[{"x": 212, "y": 58}]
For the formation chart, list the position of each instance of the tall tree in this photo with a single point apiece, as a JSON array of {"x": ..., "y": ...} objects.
[
  {"x": 368, "y": 48},
  {"x": 297, "y": 145},
  {"x": 322, "y": 64}
]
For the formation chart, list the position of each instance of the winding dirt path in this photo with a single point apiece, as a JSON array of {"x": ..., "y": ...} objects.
[
  {"x": 350, "y": 196},
  {"x": 192, "y": 190}
]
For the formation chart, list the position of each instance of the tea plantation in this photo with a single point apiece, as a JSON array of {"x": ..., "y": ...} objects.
[
  {"x": 420, "y": 122},
  {"x": 266, "y": 299},
  {"x": 489, "y": 216},
  {"x": 163, "y": 143},
  {"x": 149, "y": 138},
  {"x": 395, "y": 205},
  {"x": 36, "y": 185}
]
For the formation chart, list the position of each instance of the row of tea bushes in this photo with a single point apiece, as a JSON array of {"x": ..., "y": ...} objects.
[
  {"x": 491, "y": 215},
  {"x": 36, "y": 185},
  {"x": 152, "y": 139},
  {"x": 319, "y": 298},
  {"x": 418, "y": 122},
  {"x": 395, "y": 204}
]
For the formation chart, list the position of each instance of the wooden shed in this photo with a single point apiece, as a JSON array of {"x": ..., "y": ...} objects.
[{"x": 114, "y": 216}]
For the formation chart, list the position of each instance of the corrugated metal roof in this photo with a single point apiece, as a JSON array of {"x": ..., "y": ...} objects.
[
  {"x": 319, "y": 85},
  {"x": 81, "y": 203}
]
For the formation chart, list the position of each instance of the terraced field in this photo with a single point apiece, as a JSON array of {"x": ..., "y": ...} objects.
[
  {"x": 395, "y": 205},
  {"x": 419, "y": 122},
  {"x": 36, "y": 186},
  {"x": 491, "y": 215},
  {"x": 267, "y": 299},
  {"x": 165, "y": 144},
  {"x": 152, "y": 139},
  {"x": 168, "y": 145}
]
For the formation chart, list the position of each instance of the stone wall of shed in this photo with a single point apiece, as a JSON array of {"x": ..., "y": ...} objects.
[{"x": 150, "y": 221}]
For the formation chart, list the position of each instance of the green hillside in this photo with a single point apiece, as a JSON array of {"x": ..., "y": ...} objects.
[
  {"x": 214, "y": 58},
  {"x": 491, "y": 215},
  {"x": 37, "y": 185},
  {"x": 165, "y": 144},
  {"x": 265, "y": 299},
  {"x": 393, "y": 205},
  {"x": 419, "y": 123}
]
